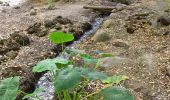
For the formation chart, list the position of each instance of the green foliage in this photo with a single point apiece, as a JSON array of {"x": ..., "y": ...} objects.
[
  {"x": 33, "y": 95},
  {"x": 115, "y": 79},
  {"x": 88, "y": 59},
  {"x": 9, "y": 88},
  {"x": 106, "y": 55},
  {"x": 60, "y": 37},
  {"x": 116, "y": 93},
  {"x": 45, "y": 65}
]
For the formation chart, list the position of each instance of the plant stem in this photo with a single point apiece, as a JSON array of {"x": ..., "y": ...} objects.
[{"x": 59, "y": 95}]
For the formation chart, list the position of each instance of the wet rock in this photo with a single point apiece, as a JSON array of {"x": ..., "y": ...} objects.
[
  {"x": 108, "y": 23},
  {"x": 33, "y": 12},
  {"x": 61, "y": 20},
  {"x": 101, "y": 36},
  {"x": 121, "y": 43},
  {"x": 33, "y": 28},
  {"x": 23, "y": 40},
  {"x": 42, "y": 32},
  {"x": 86, "y": 26},
  {"x": 164, "y": 19},
  {"x": 11, "y": 54},
  {"x": 49, "y": 24}
]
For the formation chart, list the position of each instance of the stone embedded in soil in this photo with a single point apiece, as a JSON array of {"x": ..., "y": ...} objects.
[
  {"x": 127, "y": 2},
  {"x": 168, "y": 70},
  {"x": 33, "y": 12},
  {"x": 11, "y": 45},
  {"x": 108, "y": 23},
  {"x": 101, "y": 36},
  {"x": 23, "y": 40},
  {"x": 164, "y": 19},
  {"x": 121, "y": 43}
]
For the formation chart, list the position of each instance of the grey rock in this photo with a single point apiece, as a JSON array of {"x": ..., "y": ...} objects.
[
  {"x": 121, "y": 43},
  {"x": 101, "y": 36},
  {"x": 33, "y": 12},
  {"x": 42, "y": 32},
  {"x": 164, "y": 19}
]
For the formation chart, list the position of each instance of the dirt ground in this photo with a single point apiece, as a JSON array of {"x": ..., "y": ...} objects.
[{"x": 143, "y": 56}]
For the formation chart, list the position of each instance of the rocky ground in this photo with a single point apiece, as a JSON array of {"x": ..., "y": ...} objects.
[
  {"x": 139, "y": 38},
  {"x": 136, "y": 33}
]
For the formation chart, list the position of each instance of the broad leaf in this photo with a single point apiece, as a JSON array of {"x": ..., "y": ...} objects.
[
  {"x": 60, "y": 60},
  {"x": 60, "y": 37},
  {"x": 116, "y": 93},
  {"x": 45, "y": 65},
  {"x": 94, "y": 75},
  {"x": 33, "y": 95},
  {"x": 88, "y": 59},
  {"x": 9, "y": 88},
  {"x": 67, "y": 78},
  {"x": 116, "y": 79}
]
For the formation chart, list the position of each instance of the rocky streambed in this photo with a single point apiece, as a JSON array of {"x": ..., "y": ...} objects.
[{"x": 137, "y": 33}]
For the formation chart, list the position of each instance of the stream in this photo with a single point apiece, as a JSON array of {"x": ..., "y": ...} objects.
[{"x": 45, "y": 81}]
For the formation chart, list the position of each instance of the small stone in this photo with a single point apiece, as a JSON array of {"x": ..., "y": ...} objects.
[
  {"x": 17, "y": 7},
  {"x": 168, "y": 70},
  {"x": 108, "y": 23},
  {"x": 101, "y": 36},
  {"x": 164, "y": 19},
  {"x": 58, "y": 26},
  {"x": 121, "y": 43},
  {"x": 61, "y": 20},
  {"x": 12, "y": 54},
  {"x": 5, "y": 4},
  {"x": 33, "y": 12},
  {"x": 120, "y": 6},
  {"x": 130, "y": 30}
]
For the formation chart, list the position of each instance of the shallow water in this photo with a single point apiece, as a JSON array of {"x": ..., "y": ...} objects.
[{"x": 14, "y": 2}]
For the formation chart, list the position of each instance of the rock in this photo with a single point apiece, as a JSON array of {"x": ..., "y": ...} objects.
[
  {"x": 127, "y": 2},
  {"x": 1, "y": 2},
  {"x": 52, "y": 30},
  {"x": 121, "y": 43},
  {"x": 130, "y": 29},
  {"x": 33, "y": 28},
  {"x": 33, "y": 12},
  {"x": 120, "y": 6},
  {"x": 86, "y": 26},
  {"x": 5, "y": 4},
  {"x": 49, "y": 23},
  {"x": 2, "y": 58},
  {"x": 61, "y": 20},
  {"x": 23, "y": 40},
  {"x": 164, "y": 19},
  {"x": 108, "y": 23},
  {"x": 42, "y": 32},
  {"x": 11, "y": 54},
  {"x": 58, "y": 26},
  {"x": 101, "y": 36},
  {"x": 168, "y": 70},
  {"x": 17, "y": 7}
]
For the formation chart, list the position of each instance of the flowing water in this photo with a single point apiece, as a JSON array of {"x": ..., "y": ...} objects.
[{"x": 45, "y": 80}]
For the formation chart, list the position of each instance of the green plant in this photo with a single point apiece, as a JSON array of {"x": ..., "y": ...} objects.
[{"x": 60, "y": 38}]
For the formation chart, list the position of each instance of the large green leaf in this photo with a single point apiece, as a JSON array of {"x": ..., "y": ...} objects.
[
  {"x": 60, "y": 37},
  {"x": 60, "y": 60},
  {"x": 9, "y": 88},
  {"x": 94, "y": 75},
  {"x": 67, "y": 78},
  {"x": 88, "y": 59},
  {"x": 115, "y": 79},
  {"x": 33, "y": 95},
  {"x": 116, "y": 93},
  {"x": 45, "y": 65}
]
